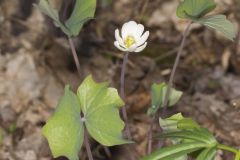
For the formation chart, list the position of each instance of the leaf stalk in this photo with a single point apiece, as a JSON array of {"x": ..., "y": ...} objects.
[
  {"x": 227, "y": 148},
  {"x": 170, "y": 83},
  {"x": 75, "y": 56},
  {"x": 87, "y": 145}
]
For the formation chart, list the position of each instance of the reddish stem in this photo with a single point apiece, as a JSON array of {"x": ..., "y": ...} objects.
[{"x": 122, "y": 94}]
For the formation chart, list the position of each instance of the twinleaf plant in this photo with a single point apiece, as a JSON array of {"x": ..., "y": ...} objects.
[
  {"x": 99, "y": 106},
  {"x": 186, "y": 135},
  {"x": 196, "y": 11},
  {"x": 82, "y": 12}
]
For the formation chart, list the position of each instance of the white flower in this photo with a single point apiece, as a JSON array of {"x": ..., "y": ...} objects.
[{"x": 132, "y": 38}]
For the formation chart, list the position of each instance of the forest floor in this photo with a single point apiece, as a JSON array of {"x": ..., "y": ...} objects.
[{"x": 36, "y": 63}]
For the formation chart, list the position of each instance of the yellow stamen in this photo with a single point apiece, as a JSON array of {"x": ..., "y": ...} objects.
[{"x": 129, "y": 41}]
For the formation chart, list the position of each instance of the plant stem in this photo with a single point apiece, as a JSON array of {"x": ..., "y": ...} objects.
[
  {"x": 170, "y": 83},
  {"x": 237, "y": 157},
  {"x": 107, "y": 151},
  {"x": 227, "y": 148},
  {"x": 87, "y": 145},
  {"x": 150, "y": 132},
  {"x": 74, "y": 53},
  {"x": 230, "y": 149},
  {"x": 122, "y": 94}
]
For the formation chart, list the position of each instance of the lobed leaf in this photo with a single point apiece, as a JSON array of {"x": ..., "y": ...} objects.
[
  {"x": 52, "y": 13},
  {"x": 83, "y": 11},
  {"x": 158, "y": 93},
  {"x": 220, "y": 24},
  {"x": 100, "y": 106},
  {"x": 174, "y": 97},
  {"x": 195, "y": 9},
  {"x": 64, "y": 130}
]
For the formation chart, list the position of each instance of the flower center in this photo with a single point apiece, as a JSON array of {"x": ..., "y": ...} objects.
[{"x": 129, "y": 41}]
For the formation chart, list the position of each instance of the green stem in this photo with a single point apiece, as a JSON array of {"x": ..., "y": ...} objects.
[
  {"x": 227, "y": 148},
  {"x": 237, "y": 157}
]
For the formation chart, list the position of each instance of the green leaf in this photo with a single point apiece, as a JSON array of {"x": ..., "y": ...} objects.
[
  {"x": 182, "y": 131},
  {"x": 170, "y": 124},
  {"x": 175, "y": 151},
  {"x": 48, "y": 10},
  {"x": 201, "y": 135},
  {"x": 157, "y": 97},
  {"x": 158, "y": 93},
  {"x": 83, "y": 11},
  {"x": 174, "y": 97},
  {"x": 207, "y": 154},
  {"x": 220, "y": 24},
  {"x": 187, "y": 123},
  {"x": 182, "y": 157},
  {"x": 100, "y": 106},
  {"x": 64, "y": 130},
  {"x": 195, "y": 9},
  {"x": 177, "y": 123},
  {"x": 237, "y": 156}
]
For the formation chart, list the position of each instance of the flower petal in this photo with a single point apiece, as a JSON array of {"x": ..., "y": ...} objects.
[
  {"x": 143, "y": 39},
  {"x": 116, "y": 44},
  {"x": 141, "y": 48},
  {"x": 118, "y": 38},
  {"x": 129, "y": 28},
  {"x": 139, "y": 31}
]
